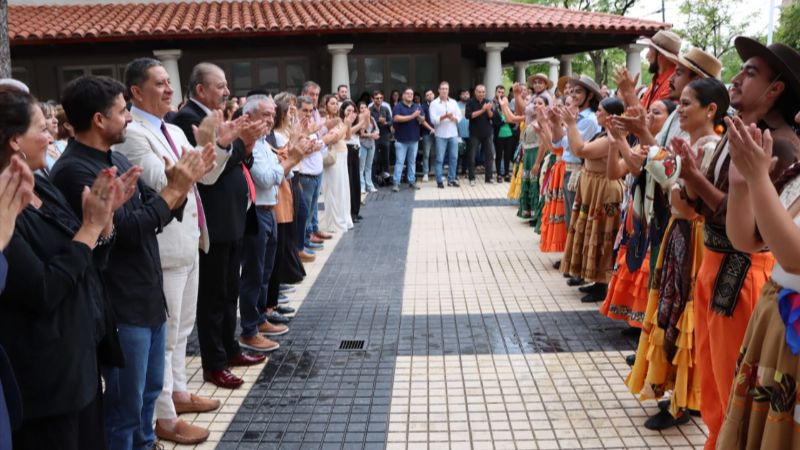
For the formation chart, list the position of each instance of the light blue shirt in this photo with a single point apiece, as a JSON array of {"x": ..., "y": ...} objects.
[
  {"x": 151, "y": 119},
  {"x": 267, "y": 173},
  {"x": 587, "y": 127}
]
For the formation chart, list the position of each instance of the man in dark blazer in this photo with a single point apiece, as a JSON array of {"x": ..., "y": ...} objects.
[{"x": 226, "y": 205}]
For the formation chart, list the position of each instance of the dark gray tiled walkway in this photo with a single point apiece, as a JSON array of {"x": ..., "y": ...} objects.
[{"x": 471, "y": 341}]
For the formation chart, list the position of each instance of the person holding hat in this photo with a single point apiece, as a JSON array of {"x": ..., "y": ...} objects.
[
  {"x": 765, "y": 93},
  {"x": 664, "y": 47}
]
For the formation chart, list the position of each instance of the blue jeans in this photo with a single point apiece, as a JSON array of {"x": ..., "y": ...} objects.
[
  {"x": 405, "y": 152},
  {"x": 258, "y": 260},
  {"x": 448, "y": 147},
  {"x": 365, "y": 156},
  {"x": 427, "y": 142},
  {"x": 311, "y": 185},
  {"x": 131, "y": 391}
]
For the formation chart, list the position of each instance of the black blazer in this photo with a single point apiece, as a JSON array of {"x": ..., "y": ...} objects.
[
  {"x": 53, "y": 311},
  {"x": 225, "y": 202}
]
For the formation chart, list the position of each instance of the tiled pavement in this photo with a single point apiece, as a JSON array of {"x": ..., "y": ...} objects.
[{"x": 471, "y": 341}]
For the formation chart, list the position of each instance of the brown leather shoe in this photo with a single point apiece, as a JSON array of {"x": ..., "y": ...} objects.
[
  {"x": 196, "y": 404},
  {"x": 247, "y": 360},
  {"x": 184, "y": 433},
  {"x": 258, "y": 343},
  {"x": 306, "y": 258},
  {"x": 323, "y": 235},
  {"x": 315, "y": 239},
  {"x": 222, "y": 378},
  {"x": 271, "y": 329}
]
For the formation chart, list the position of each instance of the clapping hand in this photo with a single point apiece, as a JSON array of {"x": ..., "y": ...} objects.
[
  {"x": 689, "y": 166},
  {"x": 626, "y": 84},
  {"x": 98, "y": 202},
  {"x": 634, "y": 120},
  {"x": 16, "y": 192},
  {"x": 126, "y": 186},
  {"x": 251, "y": 131},
  {"x": 568, "y": 115},
  {"x": 182, "y": 175},
  {"x": 214, "y": 129},
  {"x": 750, "y": 149}
]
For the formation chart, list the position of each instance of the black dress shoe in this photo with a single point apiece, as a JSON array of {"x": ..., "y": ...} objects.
[
  {"x": 592, "y": 288},
  {"x": 630, "y": 360},
  {"x": 557, "y": 264},
  {"x": 576, "y": 281},
  {"x": 355, "y": 220},
  {"x": 664, "y": 420},
  {"x": 593, "y": 298},
  {"x": 360, "y": 217},
  {"x": 284, "y": 309},
  {"x": 277, "y": 318},
  {"x": 440, "y": 185}
]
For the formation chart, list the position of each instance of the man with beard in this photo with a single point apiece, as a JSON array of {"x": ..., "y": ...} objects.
[
  {"x": 765, "y": 92},
  {"x": 96, "y": 109},
  {"x": 664, "y": 48}
]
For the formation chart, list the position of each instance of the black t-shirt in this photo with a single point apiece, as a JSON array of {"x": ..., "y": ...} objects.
[{"x": 481, "y": 126}]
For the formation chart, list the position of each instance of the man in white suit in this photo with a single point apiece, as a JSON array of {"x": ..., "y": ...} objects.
[{"x": 149, "y": 143}]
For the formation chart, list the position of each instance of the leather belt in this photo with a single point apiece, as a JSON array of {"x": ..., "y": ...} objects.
[{"x": 266, "y": 207}]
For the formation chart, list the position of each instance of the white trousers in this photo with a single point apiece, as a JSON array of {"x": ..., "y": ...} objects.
[{"x": 180, "y": 289}]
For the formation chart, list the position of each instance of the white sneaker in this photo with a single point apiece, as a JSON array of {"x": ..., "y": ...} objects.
[
  {"x": 283, "y": 299},
  {"x": 425, "y": 178},
  {"x": 372, "y": 189},
  {"x": 287, "y": 289},
  {"x": 472, "y": 182}
]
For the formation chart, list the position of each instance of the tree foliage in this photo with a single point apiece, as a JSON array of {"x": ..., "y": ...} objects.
[
  {"x": 789, "y": 26},
  {"x": 712, "y": 24},
  {"x": 600, "y": 63}
]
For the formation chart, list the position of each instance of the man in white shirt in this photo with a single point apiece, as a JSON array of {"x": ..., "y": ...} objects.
[{"x": 445, "y": 114}]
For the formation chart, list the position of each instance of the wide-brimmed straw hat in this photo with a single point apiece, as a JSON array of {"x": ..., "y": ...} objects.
[
  {"x": 699, "y": 62},
  {"x": 588, "y": 84},
  {"x": 665, "y": 42},
  {"x": 784, "y": 60},
  {"x": 561, "y": 85},
  {"x": 540, "y": 76}
]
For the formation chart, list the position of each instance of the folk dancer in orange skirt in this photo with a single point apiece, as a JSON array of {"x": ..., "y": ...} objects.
[{"x": 728, "y": 280}]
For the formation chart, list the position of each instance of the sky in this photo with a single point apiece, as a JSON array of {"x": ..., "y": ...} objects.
[{"x": 647, "y": 9}]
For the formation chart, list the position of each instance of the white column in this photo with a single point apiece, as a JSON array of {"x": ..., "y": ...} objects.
[
  {"x": 340, "y": 74},
  {"x": 566, "y": 65},
  {"x": 519, "y": 71},
  {"x": 169, "y": 58},
  {"x": 553, "y": 75},
  {"x": 494, "y": 66},
  {"x": 633, "y": 58}
]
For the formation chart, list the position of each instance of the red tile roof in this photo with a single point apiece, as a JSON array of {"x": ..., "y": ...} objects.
[{"x": 188, "y": 19}]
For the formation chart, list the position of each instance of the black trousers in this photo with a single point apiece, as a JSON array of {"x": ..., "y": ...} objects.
[
  {"x": 355, "y": 181},
  {"x": 504, "y": 149},
  {"x": 381, "y": 162},
  {"x": 488, "y": 156},
  {"x": 216, "y": 304},
  {"x": 78, "y": 430}
]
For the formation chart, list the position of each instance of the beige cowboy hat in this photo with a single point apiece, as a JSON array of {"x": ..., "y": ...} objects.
[
  {"x": 588, "y": 84},
  {"x": 665, "y": 42},
  {"x": 540, "y": 76},
  {"x": 699, "y": 62}
]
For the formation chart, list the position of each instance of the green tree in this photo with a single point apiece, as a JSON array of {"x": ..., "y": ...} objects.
[
  {"x": 712, "y": 24},
  {"x": 789, "y": 26},
  {"x": 601, "y": 62}
]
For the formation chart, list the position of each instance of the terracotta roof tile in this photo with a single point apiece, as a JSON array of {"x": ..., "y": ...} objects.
[{"x": 47, "y": 23}]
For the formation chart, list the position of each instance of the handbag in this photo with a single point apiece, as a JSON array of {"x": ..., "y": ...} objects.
[{"x": 329, "y": 159}]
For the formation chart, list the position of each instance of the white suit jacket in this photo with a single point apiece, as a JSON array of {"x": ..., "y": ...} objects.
[{"x": 146, "y": 146}]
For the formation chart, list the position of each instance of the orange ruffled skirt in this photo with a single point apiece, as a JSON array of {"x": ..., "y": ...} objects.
[
  {"x": 554, "y": 226},
  {"x": 627, "y": 292}
]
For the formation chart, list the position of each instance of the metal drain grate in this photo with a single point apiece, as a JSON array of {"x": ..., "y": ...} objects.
[{"x": 352, "y": 345}]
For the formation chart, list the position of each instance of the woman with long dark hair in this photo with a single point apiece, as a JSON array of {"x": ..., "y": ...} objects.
[
  {"x": 55, "y": 322},
  {"x": 336, "y": 187}
]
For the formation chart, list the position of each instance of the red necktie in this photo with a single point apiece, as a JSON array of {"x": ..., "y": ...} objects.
[
  {"x": 201, "y": 216},
  {"x": 250, "y": 186}
]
